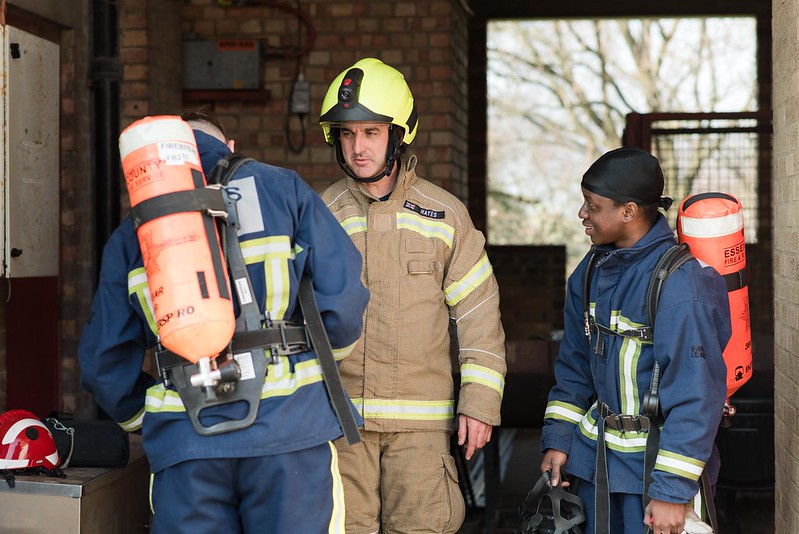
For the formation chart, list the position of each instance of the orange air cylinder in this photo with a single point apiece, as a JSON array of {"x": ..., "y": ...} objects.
[
  {"x": 713, "y": 225},
  {"x": 186, "y": 271}
]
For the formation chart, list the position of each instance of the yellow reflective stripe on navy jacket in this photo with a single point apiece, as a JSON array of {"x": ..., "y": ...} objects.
[
  {"x": 134, "y": 423},
  {"x": 564, "y": 411},
  {"x": 281, "y": 381},
  {"x": 628, "y": 361},
  {"x": 337, "y": 521},
  {"x": 137, "y": 286},
  {"x": 680, "y": 465},
  {"x": 274, "y": 252},
  {"x": 343, "y": 352},
  {"x": 405, "y": 409},
  {"x": 631, "y": 442}
]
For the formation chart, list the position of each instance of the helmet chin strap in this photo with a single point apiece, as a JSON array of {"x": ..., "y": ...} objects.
[{"x": 392, "y": 155}]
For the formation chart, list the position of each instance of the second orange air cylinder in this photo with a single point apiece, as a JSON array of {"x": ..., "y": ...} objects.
[{"x": 713, "y": 225}]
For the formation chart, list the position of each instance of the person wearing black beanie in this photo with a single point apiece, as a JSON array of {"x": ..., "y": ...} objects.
[
  {"x": 596, "y": 426},
  {"x": 628, "y": 183},
  {"x": 627, "y": 175}
]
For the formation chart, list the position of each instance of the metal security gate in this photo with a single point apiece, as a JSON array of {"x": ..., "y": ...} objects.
[{"x": 728, "y": 152}]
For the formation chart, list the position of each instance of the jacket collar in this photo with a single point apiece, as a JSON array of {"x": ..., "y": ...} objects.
[
  {"x": 405, "y": 179},
  {"x": 211, "y": 150},
  {"x": 658, "y": 234}
]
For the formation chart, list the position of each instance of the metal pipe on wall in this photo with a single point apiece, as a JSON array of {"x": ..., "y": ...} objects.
[{"x": 106, "y": 76}]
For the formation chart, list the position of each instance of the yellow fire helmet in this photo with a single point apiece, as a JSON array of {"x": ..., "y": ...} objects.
[{"x": 370, "y": 91}]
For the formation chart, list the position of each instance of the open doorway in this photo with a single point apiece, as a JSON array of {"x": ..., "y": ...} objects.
[{"x": 558, "y": 94}]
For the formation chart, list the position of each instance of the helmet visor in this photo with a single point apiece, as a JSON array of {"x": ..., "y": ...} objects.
[{"x": 341, "y": 113}]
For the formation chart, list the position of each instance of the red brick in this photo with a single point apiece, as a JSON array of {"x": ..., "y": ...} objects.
[
  {"x": 132, "y": 55},
  {"x": 404, "y": 9},
  {"x": 134, "y": 72},
  {"x": 133, "y": 38}
]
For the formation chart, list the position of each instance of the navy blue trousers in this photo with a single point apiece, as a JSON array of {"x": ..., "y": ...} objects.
[
  {"x": 626, "y": 511},
  {"x": 295, "y": 492}
]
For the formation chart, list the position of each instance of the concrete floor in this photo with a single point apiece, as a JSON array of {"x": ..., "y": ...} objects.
[{"x": 754, "y": 511}]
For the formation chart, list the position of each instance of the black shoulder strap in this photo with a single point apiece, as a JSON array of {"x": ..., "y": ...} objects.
[
  {"x": 671, "y": 260},
  {"x": 327, "y": 362},
  {"x": 589, "y": 272},
  {"x": 226, "y": 168}
]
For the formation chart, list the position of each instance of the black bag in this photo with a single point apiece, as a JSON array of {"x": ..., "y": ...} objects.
[{"x": 88, "y": 443}]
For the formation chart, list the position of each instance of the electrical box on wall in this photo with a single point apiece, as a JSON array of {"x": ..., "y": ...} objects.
[
  {"x": 29, "y": 172},
  {"x": 224, "y": 64}
]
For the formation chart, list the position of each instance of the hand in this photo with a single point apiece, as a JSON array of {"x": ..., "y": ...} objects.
[
  {"x": 474, "y": 433},
  {"x": 552, "y": 462},
  {"x": 665, "y": 517}
]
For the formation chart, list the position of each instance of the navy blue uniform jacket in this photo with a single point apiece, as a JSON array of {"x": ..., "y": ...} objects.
[
  {"x": 691, "y": 329},
  {"x": 286, "y": 230}
]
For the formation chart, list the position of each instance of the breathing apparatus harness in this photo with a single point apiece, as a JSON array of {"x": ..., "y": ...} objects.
[
  {"x": 651, "y": 416},
  {"x": 254, "y": 333}
]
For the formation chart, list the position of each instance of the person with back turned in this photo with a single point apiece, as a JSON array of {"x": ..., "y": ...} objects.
[{"x": 279, "y": 474}]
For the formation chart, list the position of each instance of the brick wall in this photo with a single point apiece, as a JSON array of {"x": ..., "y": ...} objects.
[
  {"x": 3, "y": 351},
  {"x": 149, "y": 51},
  {"x": 460, "y": 101},
  {"x": 786, "y": 263},
  {"x": 150, "y": 55},
  {"x": 532, "y": 289},
  {"x": 419, "y": 38},
  {"x": 77, "y": 268}
]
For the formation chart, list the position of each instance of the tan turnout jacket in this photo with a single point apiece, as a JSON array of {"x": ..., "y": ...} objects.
[{"x": 425, "y": 266}]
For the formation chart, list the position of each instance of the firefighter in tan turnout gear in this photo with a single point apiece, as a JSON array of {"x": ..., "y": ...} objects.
[{"x": 426, "y": 268}]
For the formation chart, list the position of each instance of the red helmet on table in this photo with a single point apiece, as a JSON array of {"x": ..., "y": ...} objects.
[{"x": 26, "y": 442}]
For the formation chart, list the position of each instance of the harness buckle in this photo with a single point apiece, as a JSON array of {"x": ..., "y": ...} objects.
[
  {"x": 283, "y": 348},
  {"x": 587, "y": 325},
  {"x": 623, "y": 422},
  {"x": 644, "y": 333}
]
